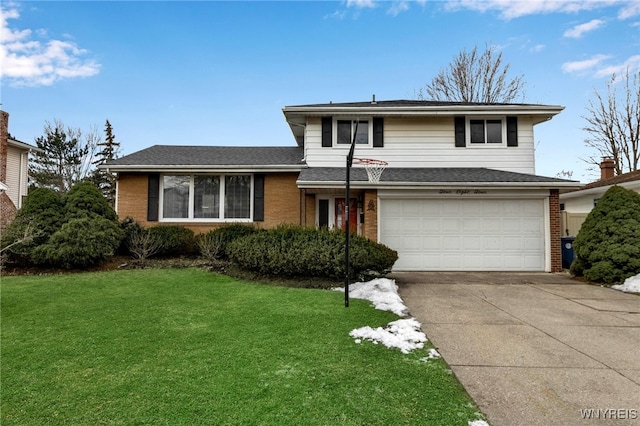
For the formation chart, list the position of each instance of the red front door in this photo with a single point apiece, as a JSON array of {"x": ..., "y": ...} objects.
[{"x": 341, "y": 215}]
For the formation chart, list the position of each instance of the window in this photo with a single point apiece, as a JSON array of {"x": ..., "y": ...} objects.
[
  {"x": 485, "y": 131},
  {"x": 346, "y": 129},
  {"x": 206, "y": 197}
]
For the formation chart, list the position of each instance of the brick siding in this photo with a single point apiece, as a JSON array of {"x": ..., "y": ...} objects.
[
  {"x": 282, "y": 201},
  {"x": 556, "y": 231}
]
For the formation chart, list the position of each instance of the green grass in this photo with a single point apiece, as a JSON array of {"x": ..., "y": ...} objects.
[{"x": 188, "y": 347}]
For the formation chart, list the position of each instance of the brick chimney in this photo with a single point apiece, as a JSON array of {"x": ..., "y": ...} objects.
[
  {"x": 4, "y": 144},
  {"x": 607, "y": 168}
]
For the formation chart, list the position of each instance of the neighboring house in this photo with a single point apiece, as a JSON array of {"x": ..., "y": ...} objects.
[
  {"x": 459, "y": 192},
  {"x": 14, "y": 172},
  {"x": 576, "y": 204}
]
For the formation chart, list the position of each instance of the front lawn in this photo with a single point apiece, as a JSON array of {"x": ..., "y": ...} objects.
[{"x": 188, "y": 347}]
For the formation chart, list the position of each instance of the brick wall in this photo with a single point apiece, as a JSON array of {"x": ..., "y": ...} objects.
[
  {"x": 7, "y": 208},
  {"x": 370, "y": 209},
  {"x": 4, "y": 145},
  {"x": 282, "y": 201},
  {"x": 556, "y": 231}
]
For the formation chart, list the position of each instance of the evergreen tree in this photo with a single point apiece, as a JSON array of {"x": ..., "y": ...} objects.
[
  {"x": 66, "y": 157},
  {"x": 103, "y": 179}
]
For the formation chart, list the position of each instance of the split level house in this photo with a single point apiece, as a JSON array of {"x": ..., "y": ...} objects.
[{"x": 459, "y": 192}]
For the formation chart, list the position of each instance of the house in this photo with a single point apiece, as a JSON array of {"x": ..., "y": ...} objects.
[
  {"x": 459, "y": 192},
  {"x": 576, "y": 204},
  {"x": 14, "y": 172}
]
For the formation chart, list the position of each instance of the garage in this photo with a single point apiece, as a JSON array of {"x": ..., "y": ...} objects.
[{"x": 464, "y": 234}]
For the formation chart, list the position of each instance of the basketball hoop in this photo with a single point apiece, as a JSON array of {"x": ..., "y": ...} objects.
[{"x": 373, "y": 167}]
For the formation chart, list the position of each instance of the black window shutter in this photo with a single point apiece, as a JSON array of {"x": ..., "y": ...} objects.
[
  {"x": 258, "y": 198},
  {"x": 327, "y": 123},
  {"x": 459, "y": 131},
  {"x": 378, "y": 132},
  {"x": 153, "y": 197},
  {"x": 512, "y": 131}
]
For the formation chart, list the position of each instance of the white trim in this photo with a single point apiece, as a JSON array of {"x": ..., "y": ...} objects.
[
  {"x": 485, "y": 144},
  {"x": 547, "y": 236},
  {"x": 334, "y": 132}
]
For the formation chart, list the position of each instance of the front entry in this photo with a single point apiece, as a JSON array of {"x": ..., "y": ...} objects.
[{"x": 340, "y": 214}]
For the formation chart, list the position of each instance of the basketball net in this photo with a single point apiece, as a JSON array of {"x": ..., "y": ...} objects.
[{"x": 373, "y": 167}]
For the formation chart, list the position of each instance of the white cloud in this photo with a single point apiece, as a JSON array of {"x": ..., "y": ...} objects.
[
  {"x": 397, "y": 7},
  {"x": 579, "y": 30},
  {"x": 28, "y": 62},
  {"x": 361, "y": 4},
  {"x": 632, "y": 63},
  {"x": 584, "y": 65},
  {"x": 537, "y": 48},
  {"x": 630, "y": 10},
  {"x": 510, "y": 9}
]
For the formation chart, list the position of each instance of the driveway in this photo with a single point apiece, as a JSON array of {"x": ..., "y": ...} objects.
[{"x": 534, "y": 348}]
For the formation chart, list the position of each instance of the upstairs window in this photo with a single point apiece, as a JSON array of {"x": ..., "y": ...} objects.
[
  {"x": 485, "y": 131},
  {"x": 347, "y": 128},
  {"x": 488, "y": 132}
]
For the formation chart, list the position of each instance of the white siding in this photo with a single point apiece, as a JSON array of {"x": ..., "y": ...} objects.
[
  {"x": 426, "y": 142},
  {"x": 17, "y": 175}
]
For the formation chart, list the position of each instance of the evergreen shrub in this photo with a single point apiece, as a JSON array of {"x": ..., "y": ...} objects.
[
  {"x": 297, "y": 251},
  {"x": 607, "y": 246},
  {"x": 80, "y": 243},
  {"x": 214, "y": 245},
  {"x": 41, "y": 215},
  {"x": 175, "y": 240},
  {"x": 85, "y": 200}
]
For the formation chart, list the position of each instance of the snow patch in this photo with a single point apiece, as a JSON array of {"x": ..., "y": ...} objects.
[
  {"x": 630, "y": 285},
  {"x": 382, "y": 292},
  {"x": 433, "y": 354},
  {"x": 404, "y": 334},
  {"x": 478, "y": 423}
]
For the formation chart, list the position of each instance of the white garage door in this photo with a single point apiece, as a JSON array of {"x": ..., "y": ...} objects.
[{"x": 464, "y": 234}]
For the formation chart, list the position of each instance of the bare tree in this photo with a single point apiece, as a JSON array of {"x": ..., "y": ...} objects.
[
  {"x": 613, "y": 124},
  {"x": 475, "y": 77},
  {"x": 66, "y": 158}
]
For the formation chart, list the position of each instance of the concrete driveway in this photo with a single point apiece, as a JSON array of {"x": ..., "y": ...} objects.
[{"x": 534, "y": 348}]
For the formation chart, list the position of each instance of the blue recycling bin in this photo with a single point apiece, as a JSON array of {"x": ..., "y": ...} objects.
[{"x": 568, "y": 253}]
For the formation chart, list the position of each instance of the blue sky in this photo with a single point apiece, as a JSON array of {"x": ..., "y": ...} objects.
[{"x": 219, "y": 73}]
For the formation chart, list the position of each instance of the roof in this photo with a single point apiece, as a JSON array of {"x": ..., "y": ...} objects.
[
  {"x": 625, "y": 177},
  {"x": 197, "y": 157},
  {"x": 430, "y": 176},
  {"x": 23, "y": 145},
  {"x": 403, "y": 103},
  {"x": 630, "y": 180}
]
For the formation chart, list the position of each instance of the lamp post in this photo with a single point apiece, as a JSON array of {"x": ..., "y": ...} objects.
[{"x": 347, "y": 211}]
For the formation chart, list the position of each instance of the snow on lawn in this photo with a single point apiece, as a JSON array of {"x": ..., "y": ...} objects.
[
  {"x": 404, "y": 334},
  {"x": 630, "y": 285}
]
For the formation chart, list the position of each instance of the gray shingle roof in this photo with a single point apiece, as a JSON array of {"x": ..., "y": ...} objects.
[
  {"x": 427, "y": 175},
  {"x": 170, "y": 155},
  {"x": 402, "y": 103}
]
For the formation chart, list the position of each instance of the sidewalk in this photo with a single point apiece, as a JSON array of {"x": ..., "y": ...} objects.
[{"x": 534, "y": 349}]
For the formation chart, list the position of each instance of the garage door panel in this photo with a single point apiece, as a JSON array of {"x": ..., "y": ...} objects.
[{"x": 461, "y": 234}]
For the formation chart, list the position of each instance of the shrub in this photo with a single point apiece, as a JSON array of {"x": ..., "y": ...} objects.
[
  {"x": 80, "y": 243},
  {"x": 215, "y": 244},
  {"x": 84, "y": 200},
  {"x": 298, "y": 251},
  {"x": 143, "y": 244},
  {"x": 608, "y": 244},
  {"x": 175, "y": 239},
  {"x": 41, "y": 215}
]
